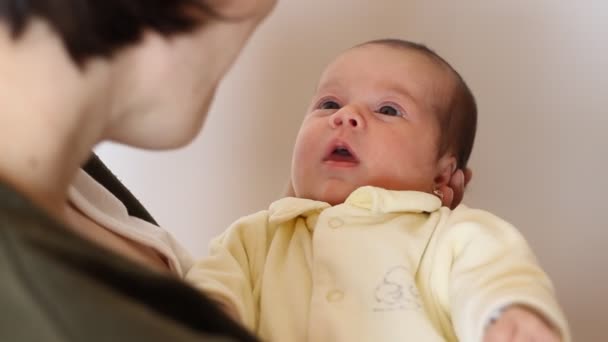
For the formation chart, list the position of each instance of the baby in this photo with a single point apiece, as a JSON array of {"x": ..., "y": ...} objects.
[{"x": 365, "y": 251}]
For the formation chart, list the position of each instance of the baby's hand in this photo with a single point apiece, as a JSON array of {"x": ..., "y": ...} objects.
[{"x": 517, "y": 324}]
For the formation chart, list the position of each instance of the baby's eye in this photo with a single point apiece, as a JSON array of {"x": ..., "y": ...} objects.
[
  {"x": 389, "y": 110},
  {"x": 329, "y": 105}
]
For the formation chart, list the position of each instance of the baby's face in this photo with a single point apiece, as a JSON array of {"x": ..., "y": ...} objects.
[{"x": 373, "y": 122}]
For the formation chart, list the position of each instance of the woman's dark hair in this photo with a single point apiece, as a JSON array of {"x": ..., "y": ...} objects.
[
  {"x": 98, "y": 28},
  {"x": 458, "y": 117}
]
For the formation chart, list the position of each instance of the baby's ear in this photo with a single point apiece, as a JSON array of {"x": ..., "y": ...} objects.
[{"x": 445, "y": 169}]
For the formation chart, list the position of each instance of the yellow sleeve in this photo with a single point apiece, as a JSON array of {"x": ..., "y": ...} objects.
[
  {"x": 231, "y": 272},
  {"x": 492, "y": 267}
]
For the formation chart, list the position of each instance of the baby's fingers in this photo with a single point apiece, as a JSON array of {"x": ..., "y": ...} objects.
[
  {"x": 520, "y": 325},
  {"x": 535, "y": 329},
  {"x": 503, "y": 330}
]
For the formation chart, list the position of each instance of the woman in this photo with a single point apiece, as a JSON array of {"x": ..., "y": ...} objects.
[{"x": 75, "y": 73}]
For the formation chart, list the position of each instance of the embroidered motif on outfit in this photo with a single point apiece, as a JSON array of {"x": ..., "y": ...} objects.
[{"x": 397, "y": 291}]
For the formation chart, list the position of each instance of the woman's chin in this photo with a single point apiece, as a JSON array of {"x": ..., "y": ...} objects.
[{"x": 158, "y": 142}]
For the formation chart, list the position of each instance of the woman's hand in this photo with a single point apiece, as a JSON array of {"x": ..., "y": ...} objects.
[{"x": 453, "y": 192}]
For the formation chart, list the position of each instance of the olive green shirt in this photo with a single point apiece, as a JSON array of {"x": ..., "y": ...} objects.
[{"x": 56, "y": 286}]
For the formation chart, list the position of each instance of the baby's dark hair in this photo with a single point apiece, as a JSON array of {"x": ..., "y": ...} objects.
[
  {"x": 97, "y": 28},
  {"x": 458, "y": 116}
]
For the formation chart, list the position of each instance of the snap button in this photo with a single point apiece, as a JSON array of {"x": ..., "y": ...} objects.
[
  {"x": 335, "y": 296},
  {"x": 335, "y": 222}
]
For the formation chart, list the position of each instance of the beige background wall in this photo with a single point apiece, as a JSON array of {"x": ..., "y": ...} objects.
[{"x": 540, "y": 73}]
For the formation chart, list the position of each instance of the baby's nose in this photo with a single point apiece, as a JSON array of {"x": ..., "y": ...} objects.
[
  {"x": 347, "y": 117},
  {"x": 338, "y": 121}
]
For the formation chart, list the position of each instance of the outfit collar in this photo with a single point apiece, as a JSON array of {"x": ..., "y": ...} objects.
[{"x": 375, "y": 200}]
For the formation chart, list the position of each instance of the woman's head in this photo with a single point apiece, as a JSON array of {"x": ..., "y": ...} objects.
[
  {"x": 90, "y": 29},
  {"x": 156, "y": 63}
]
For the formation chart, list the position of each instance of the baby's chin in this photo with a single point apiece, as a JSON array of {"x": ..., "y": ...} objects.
[
  {"x": 335, "y": 196},
  {"x": 332, "y": 191}
]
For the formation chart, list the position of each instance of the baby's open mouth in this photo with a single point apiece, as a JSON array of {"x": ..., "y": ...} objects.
[{"x": 342, "y": 154}]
